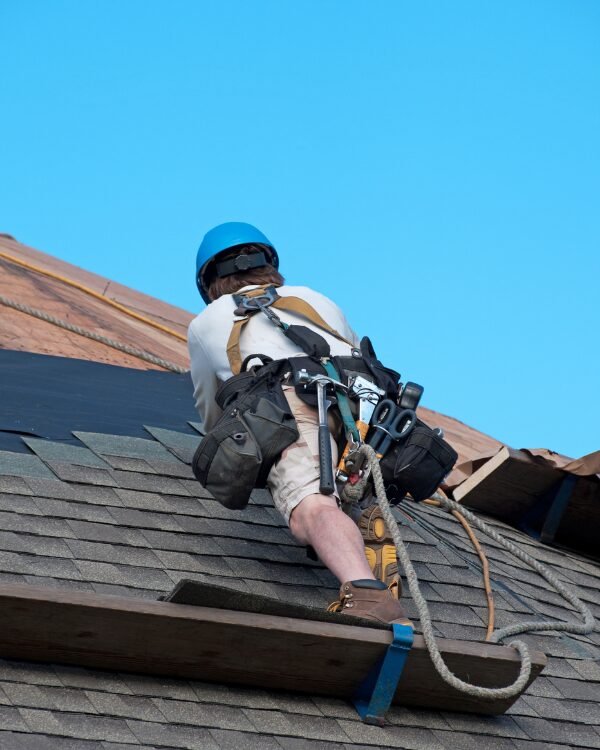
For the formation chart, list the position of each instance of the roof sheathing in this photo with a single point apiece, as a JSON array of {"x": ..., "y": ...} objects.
[
  {"x": 25, "y": 333},
  {"x": 104, "y": 517}
]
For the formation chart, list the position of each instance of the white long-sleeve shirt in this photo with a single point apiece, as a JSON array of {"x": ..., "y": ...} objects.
[{"x": 209, "y": 332}]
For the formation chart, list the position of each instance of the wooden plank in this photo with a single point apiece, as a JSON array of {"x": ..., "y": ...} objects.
[
  {"x": 507, "y": 485},
  {"x": 161, "y": 638},
  {"x": 512, "y": 482}
]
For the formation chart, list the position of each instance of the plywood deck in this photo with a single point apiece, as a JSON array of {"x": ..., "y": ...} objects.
[{"x": 25, "y": 333}]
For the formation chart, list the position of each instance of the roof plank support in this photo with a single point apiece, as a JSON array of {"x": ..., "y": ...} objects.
[
  {"x": 177, "y": 640},
  {"x": 543, "y": 500},
  {"x": 557, "y": 510}
]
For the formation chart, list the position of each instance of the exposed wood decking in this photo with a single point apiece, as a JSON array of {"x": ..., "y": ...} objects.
[{"x": 25, "y": 333}]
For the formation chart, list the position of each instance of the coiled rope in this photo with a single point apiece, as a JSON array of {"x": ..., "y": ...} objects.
[
  {"x": 519, "y": 685},
  {"x": 91, "y": 335}
]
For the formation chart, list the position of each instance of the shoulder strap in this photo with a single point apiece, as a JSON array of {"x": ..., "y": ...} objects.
[
  {"x": 301, "y": 307},
  {"x": 291, "y": 304},
  {"x": 233, "y": 344}
]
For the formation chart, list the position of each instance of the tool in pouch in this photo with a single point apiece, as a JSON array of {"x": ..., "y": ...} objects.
[
  {"x": 390, "y": 424},
  {"x": 368, "y": 395},
  {"x": 326, "y": 485},
  {"x": 327, "y": 482}
]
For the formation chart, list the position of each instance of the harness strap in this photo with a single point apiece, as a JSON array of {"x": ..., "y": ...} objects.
[
  {"x": 343, "y": 403},
  {"x": 290, "y": 304},
  {"x": 300, "y": 307},
  {"x": 233, "y": 345}
]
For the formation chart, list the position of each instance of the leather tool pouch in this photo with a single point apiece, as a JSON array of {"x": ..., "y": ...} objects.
[
  {"x": 255, "y": 427},
  {"x": 417, "y": 465}
]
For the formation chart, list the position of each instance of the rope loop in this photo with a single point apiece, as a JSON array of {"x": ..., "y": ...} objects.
[{"x": 519, "y": 685}]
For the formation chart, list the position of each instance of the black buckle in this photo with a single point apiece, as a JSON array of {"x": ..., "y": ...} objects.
[{"x": 240, "y": 263}]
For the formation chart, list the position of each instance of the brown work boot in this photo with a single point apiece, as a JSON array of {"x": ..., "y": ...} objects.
[
  {"x": 371, "y": 600},
  {"x": 380, "y": 549}
]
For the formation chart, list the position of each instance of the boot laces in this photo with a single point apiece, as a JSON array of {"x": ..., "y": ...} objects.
[{"x": 338, "y": 605}]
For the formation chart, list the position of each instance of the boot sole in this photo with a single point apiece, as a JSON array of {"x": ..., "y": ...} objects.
[{"x": 380, "y": 549}]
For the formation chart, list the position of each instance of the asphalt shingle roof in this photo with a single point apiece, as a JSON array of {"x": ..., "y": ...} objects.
[
  {"x": 114, "y": 514},
  {"x": 124, "y": 515}
]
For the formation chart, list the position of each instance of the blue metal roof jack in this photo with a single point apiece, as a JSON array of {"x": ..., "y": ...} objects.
[{"x": 374, "y": 695}]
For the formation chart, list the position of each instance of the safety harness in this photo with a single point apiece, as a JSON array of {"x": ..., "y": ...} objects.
[{"x": 262, "y": 299}]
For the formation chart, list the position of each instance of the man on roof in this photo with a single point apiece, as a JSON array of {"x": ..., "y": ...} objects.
[{"x": 236, "y": 258}]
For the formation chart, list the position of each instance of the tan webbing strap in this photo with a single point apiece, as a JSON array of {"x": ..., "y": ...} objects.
[
  {"x": 290, "y": 304},
  {"x": 300, "y": 307},
  {"x": 233, "y": 345}
]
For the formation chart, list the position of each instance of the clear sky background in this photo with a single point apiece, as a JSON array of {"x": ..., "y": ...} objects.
[{"x": 434, "y": 167}]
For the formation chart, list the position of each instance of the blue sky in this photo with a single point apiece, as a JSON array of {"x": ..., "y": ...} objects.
[{"x": 434, "y": 167}]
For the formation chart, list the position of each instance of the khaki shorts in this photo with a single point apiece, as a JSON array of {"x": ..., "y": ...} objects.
[{"x": 296, "y": 475}]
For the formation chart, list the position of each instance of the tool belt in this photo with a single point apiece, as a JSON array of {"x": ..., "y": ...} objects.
[
  {"x": 262, "y": 298},
  {"x": 255, "y": 427},
  {"x": 415, "y": 464}
]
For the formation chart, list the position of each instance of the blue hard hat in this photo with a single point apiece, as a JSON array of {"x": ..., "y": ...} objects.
[{"x": 224, "y": 237}]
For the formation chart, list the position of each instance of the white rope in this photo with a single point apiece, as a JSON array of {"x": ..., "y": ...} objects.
[
  {"x": 519, "y": 685},
  {"x": 91, "y": 335}
]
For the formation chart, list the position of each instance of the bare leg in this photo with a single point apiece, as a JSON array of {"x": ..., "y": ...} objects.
[{"x": 336, "y": 539}]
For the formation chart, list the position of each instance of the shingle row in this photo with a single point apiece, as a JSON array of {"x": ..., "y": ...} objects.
[{"x": 122, "y": 515}]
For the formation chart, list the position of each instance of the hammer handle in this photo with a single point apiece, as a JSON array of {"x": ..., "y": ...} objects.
[{"x": 326, "y": 486}]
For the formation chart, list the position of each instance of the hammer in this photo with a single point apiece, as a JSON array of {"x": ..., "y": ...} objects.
[{"x": 327, "y": 483}]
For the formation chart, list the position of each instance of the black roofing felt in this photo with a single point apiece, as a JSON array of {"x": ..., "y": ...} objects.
[
  {"x": 122, "y": 514},
  {"x": 204, "y": 594},
  {"x": 50, "y": 397}
]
